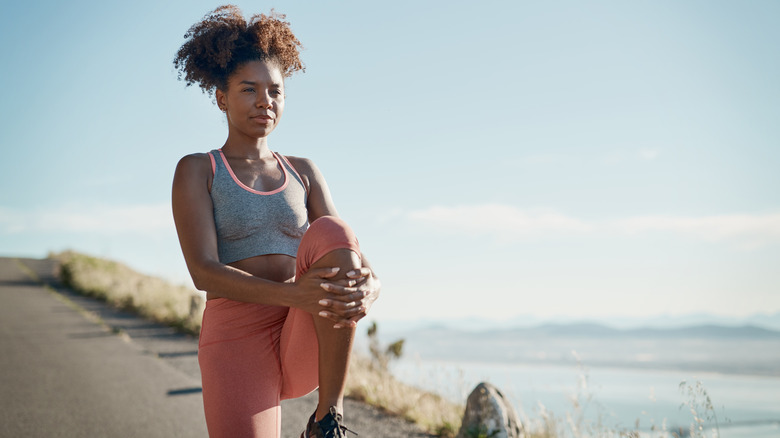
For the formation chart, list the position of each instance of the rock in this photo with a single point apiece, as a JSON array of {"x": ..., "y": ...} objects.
[{"x": 489, "y": 415}]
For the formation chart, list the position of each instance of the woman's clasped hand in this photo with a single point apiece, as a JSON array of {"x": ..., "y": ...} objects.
[{"x": 344, "y": 301}]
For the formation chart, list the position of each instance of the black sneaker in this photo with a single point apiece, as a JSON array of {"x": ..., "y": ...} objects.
[{"x": 328, "y": 427}]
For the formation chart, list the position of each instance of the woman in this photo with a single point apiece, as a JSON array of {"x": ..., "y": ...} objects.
[{"x": 285, "y": 280}]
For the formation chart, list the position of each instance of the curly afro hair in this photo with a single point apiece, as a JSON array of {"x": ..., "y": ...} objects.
[{"x": 223, "y": 41}]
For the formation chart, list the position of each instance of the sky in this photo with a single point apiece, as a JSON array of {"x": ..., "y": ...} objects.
[{"x": 509, "y": 159}]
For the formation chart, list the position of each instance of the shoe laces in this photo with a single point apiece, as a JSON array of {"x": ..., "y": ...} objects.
[{"x": 340, "y": 428}]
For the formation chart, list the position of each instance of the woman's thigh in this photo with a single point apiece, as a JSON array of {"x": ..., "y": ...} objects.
[{"x": 240, "y": 372}]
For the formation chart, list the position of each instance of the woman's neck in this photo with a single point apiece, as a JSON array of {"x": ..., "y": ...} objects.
[{"x": 243, "y": 147}]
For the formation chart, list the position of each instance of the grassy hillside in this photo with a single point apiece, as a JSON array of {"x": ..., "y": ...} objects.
[{"x": 124, "y": 288}]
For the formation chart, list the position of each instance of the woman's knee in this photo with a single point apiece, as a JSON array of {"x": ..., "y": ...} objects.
[
  {"x": 330, "y": 229},
  {"x": 326, "y": 234}
]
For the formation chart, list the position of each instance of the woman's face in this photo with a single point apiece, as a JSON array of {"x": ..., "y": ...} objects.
[{"x": 254, "y": 99}]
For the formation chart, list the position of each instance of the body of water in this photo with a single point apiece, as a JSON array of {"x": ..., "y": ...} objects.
[
  {"x": 621, "y": 383},
  {"x": 745, "y": 406}
]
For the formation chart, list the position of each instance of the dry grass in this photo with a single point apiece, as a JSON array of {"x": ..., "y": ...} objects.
[
  {"x": 372, "y": 384},
  {"x": 122, "y": 287}
]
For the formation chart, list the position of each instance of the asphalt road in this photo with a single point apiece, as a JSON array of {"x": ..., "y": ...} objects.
[{"x": 63, "y": 374}]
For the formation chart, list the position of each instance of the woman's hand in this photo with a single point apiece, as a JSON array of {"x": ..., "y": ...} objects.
[
  {"x": 343, "y": 298},
  {"x": 351, "y": 298}
]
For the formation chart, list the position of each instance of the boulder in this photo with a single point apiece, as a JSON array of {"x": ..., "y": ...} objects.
[{"x": 489, "y": 415}]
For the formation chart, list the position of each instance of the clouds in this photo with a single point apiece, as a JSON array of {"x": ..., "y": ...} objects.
[
  {"x": 749, "y": 231},
  {"x": 497, "y": 220},
  {"x": 92, "y": 219},
  {"x": 648, "y": 154},
  {"x": 508, "y": 223},
  {"x": 613, "y": 157},
  {"x": 628, "y": 155}
]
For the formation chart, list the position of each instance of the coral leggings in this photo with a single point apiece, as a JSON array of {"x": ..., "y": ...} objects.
[{"x": 252, "y": 356}]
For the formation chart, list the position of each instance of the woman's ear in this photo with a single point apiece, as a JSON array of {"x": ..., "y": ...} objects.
[{"x": 221, "y": 100}]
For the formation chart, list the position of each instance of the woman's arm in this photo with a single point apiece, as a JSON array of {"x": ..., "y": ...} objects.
[
  {"x": 320, "y": 203},
  {"x": 194, "y": 218}
]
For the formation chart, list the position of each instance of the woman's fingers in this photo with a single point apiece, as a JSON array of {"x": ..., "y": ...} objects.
[
  {"x": 340, "y": 292},
  {"x": 324, "y": 272},
  {"x": 343, "y": 316},
  {"x": 346, "y": 304},
  {"x": 343, "y": 308},
  {"x": 345, "y": 324},
  {"x": 343, "y": 321},
  {"x": 345, "y": 295},
  {"x": 359, "y": 273},
  {"x": 351, "y": 322}
]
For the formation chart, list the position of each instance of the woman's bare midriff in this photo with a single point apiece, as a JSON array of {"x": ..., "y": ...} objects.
[{"x": 275, "y": 267}]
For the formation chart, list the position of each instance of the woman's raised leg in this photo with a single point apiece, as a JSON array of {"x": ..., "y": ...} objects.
[
  {"x": 335, "y": 344},
  {"x": 310, "y": 346}
]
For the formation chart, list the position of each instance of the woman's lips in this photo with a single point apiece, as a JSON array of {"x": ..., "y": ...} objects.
[{"x": 264, "y": 120}]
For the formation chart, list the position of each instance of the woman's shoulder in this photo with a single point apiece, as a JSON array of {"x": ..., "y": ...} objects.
[
  {"x": 198, "y": 164},
  {"x": 302, "y": 165},
  {"x": 298, "y": 160},
  {"x": 196, "y": 159}
]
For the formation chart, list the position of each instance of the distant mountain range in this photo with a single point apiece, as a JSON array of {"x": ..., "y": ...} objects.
[
  {"x": 718, "y": 345},
  {"x": 761, "y": 325},
  {"x": 586, "y": 330}
]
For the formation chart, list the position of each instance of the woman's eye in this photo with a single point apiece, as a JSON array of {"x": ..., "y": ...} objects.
[{"x": 248, "y": 90}]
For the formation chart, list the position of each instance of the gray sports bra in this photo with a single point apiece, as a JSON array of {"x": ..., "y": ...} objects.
[{"x": 251, "y": 223}]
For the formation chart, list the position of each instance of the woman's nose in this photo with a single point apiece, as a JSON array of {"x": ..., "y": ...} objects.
[{"x": 263, "y": 100}]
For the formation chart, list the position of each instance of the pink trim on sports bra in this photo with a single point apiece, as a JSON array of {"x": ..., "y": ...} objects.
[
  {"x": 249, "y": 189},
  {"x": 213, "y": 165},
  {"x": 296, "y": 173}
]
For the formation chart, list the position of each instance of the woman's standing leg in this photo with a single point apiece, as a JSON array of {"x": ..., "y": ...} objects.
[{"x": 241, "y": 375}]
